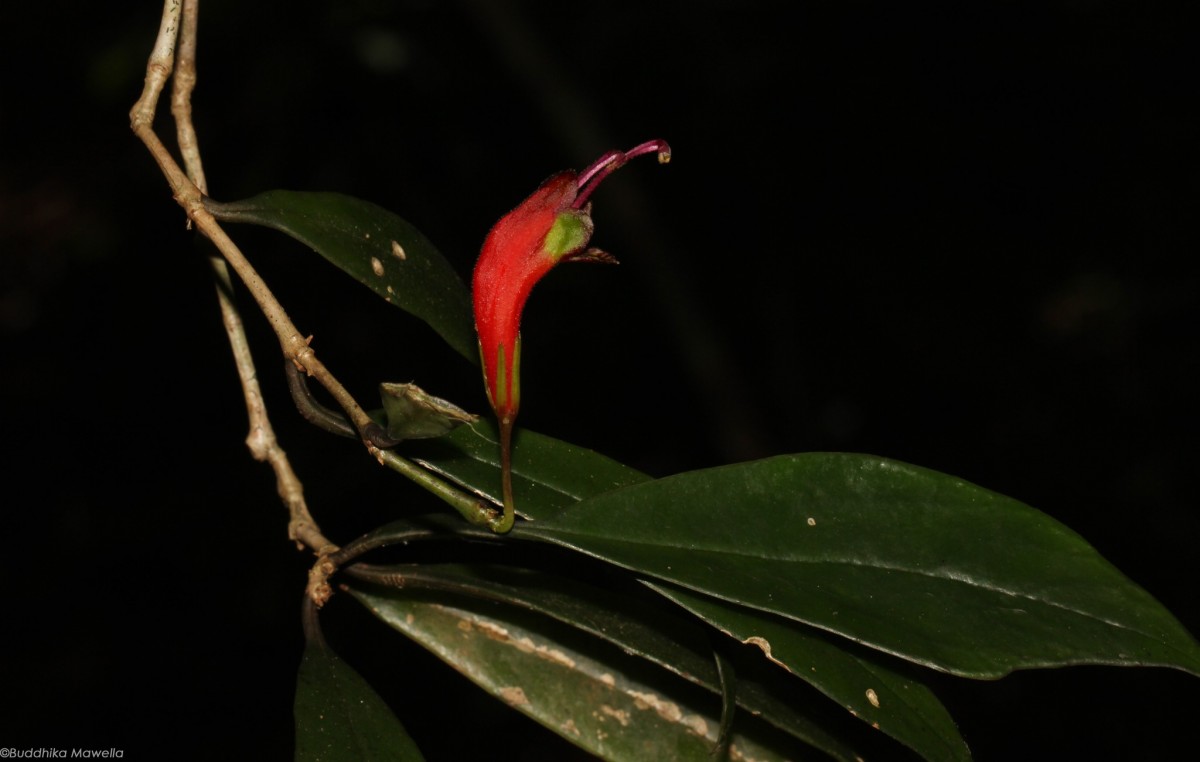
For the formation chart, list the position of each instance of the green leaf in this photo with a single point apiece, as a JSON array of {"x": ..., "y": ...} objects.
[
  {"x": 902, "y": 559},
  {"x": 857, "y": 679},
  {"x": 548, "y": 474},
  {"x": 380, "y": 249},
  {"x": 845, "y": 673},
  {"x": 612, "y": 704},
  {"x": 664, "y": 636},
  {"x": 339, "y": 718}
]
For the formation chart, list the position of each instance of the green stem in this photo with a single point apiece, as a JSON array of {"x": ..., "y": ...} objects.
[{"x": 473, "y": 509}]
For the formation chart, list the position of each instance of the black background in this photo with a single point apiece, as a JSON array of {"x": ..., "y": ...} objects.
[{"x": 958, "y": 234}]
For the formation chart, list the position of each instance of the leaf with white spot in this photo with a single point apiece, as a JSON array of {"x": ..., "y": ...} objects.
[
  {"x": 891, "y": 700},
  {"x": 614, "y": 704},
  {"x": 905, "y": 560},
  {"x": 380, "y": 249}
]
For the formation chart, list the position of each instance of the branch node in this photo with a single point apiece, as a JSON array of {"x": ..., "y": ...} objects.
[{"x": 318, "y": 589}]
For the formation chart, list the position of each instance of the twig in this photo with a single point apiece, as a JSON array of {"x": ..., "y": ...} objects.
[
  {"x": 184, "y": 82},
  {"x": 262, "y": 442},
  {"x": 188, "y": 189},
  {"x": 292, "y": 342},
  {"x": 188, "y": 192}
]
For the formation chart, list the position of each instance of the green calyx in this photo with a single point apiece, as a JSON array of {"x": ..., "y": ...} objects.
[
  {"x": 570, "y": 232},
  {"x": 504, "y": 391}
]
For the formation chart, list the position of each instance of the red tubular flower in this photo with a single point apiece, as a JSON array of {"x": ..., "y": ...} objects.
[{"x": 551, "y": 226}]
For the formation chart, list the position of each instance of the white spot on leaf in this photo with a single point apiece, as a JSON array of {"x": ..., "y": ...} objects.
[
  {"x": 525, "y": 645},
  {"x": 765, "y": 645},
  {"x": 696, "y": 724},
  {"x": 619, "y": 715},
  {"x": 513, "y": 695},
  {"x": 377, "y": 266},
  {"x": 398, "y": 251},
  {"x": 556, "y": 656},
  {"x": 873, "y": 697},
  {"x": 668, "y": 710},
  {"x": 493, "y": 631}
]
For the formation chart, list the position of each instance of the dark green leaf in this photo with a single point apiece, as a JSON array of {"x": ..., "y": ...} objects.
[
  {"x": 614, "y": 705},
  {"x": 855, "y": 678},
  {"x": 899, "y": 558},
  {"x": 638, "y": 626},
  {"x": 380, "y": 249},
  {"x": 339, "y": 718},
  {"x": 548, "y": 474},
  {"x": 668, "y": 638}
]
